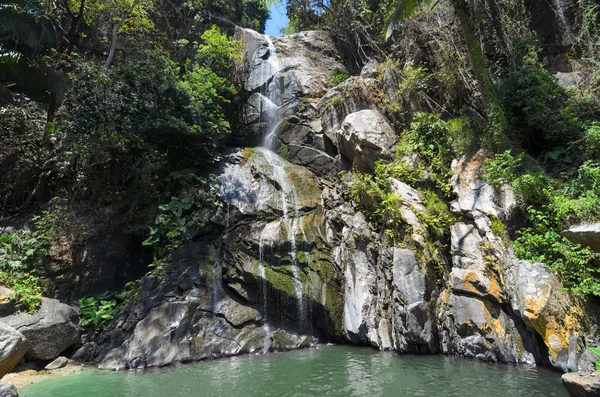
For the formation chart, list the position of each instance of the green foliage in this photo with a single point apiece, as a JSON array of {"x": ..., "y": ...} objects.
[
  {"x": 541, "y": 114},
  {"x": 428, "y": 136},
  {"x": 414, "y": 79},
  {"x": 575, "y": 265},
  {"x": 591, "y": 141},
  {"x": 184, "y": 214},
  {"x": 436, "y": 217},
  {"x": 535, "y": 189},
  {"x": 460, "y": 134},
  {"x": 337, "y": 77},
  {"x": 498, "y": 227},
  {"x": 96, "y": 312},
  {"x": 22, "y": 254},
  {"x": 251, "y": 14},
  {"x": 503, "y": 169},
  {"x": 218, "y": 52}
]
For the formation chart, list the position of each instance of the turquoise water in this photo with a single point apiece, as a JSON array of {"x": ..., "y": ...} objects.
[{"x": 326, "y": 371}]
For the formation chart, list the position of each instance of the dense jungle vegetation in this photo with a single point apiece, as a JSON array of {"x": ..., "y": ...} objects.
[{"x": 110, "y": 107}]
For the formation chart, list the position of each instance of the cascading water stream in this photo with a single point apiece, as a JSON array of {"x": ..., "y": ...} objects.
[{"x": 272, "y": 114}]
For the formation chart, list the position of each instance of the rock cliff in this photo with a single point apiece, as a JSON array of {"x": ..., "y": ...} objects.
[{"x": 289, "y": 261}]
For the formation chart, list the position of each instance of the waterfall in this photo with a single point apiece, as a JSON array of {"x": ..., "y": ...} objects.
[{"x": 271, "y": 115}]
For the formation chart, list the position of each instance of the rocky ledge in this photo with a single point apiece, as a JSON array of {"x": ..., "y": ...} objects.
[{"x": 581, "y": 386}]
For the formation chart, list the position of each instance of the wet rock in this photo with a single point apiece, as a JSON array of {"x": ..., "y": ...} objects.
[
  {"x": 483, "y": 330},
  {"x": 257, "y": 55},
  {"x": 587, "y": 235},
  {"x": 60, "y": 362},
  {"x": 581, "y": 386},
  {"x": 50, "y": 331},
  {"x": 364, "y": 138},
  {"x": 13, "y": 346},
  {"x": 8, "y": 390},
  {"x": 320, "y": 163},
  {"x": 253, "y": 180},
  {"x": 419, "y": 326}
]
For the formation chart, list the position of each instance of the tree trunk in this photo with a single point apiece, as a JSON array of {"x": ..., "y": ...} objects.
[
  {"x": 113, "y": 46},
  {"x": 115, "y": 35}
]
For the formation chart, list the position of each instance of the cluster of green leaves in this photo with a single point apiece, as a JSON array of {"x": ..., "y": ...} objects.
[
  {"x": 96, "y": 312},
  {"x": 542, "y": 116},
  {"x": 574, "y": 264},
  {"x": 182, "y": 216},
  {"x": 337, "y": 77},
  {"x": 22, "y": 254},
  {"x": 148, "y": 118},
  {"x": 432, "y": 139},
  {"x": 553, "y": 205}
]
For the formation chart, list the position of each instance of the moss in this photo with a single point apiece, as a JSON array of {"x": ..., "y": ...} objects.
[{"x": 283, "y": 341}]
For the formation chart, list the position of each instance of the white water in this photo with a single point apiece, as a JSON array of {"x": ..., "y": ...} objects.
[{"x": 271, "y": 115}]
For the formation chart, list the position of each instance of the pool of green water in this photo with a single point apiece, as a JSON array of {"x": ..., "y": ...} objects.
[{"x": 326, "y": 371}]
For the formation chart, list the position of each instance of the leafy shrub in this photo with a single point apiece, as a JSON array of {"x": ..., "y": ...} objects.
[
  {"x": 337, "y": 77},
  {"x": 575, "y": 265},
  {"x": 534, "y": 189},
  {"x": 541, "y": 114},
  {"x": 436, "y": 217},
  {"x": 96, "y": 312},
  {"x": 592, "y": 142},
  {"x": 22, "y": 254},
  {"x": 503, "y": 169}
]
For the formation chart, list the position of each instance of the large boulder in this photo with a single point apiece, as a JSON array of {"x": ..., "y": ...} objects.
[
  {"x": 364, "y": 138},
  {"x": 50, "y": 331},
  {"x": 13, "y": 346},
  {"x": 481, "y": 329},
  {"x": 581, "y": 386},
  {"x": 538, "y": 298},
  {"x": 8, "y": 390},
  {"x": 587, "y": 235}
]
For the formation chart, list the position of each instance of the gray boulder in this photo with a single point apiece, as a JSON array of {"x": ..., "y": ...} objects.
[
  {"x": 8, "y": 390},
  {"x": 13, "y": 346},
  {"x": 366, "y": 137},
  {"x": 50, "y": 331},
  {"x": 587, "y": 235},
  {"x": 581, "y": 386},
  {"x": 60, "y": 362}
]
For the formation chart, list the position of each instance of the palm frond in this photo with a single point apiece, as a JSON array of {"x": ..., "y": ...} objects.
[
  {"x": 402, "y": 9},
  {"x": 27, "y": 24}
]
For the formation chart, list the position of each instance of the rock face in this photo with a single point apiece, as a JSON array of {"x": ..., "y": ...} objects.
[
  {"x": 8, "y": 390},
  {"x": 50, "y": 331},
  {"x": 288, "y": 261},
  {"x": 587, "y": 235},
  {"x": 12, "y": 348},
  {"x": 364, "y": 138},
  {"x": 581, "y": 386}
]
